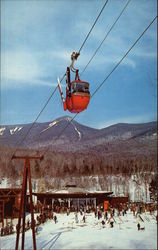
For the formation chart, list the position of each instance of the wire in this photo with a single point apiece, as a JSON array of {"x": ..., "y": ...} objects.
[
  {"x": 97, "y": 87},
  {"x": 47, "y": 148},
  {"x": 92, "y": 26},
  {"x": 24, "y": 137},
  {"x": 19, "y": 143},
  {"x": 106, "y": 78},
  {"x": 106, "y": 36},
  {"x": 123, "y": 57}
]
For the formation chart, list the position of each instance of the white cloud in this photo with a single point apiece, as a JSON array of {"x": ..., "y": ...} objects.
[
  {"x": 145, "y": 54},
  {"x": 60, "y": 56},
  {"x": 10, "y": 84},
  {"x": 19, "y": 65},
  {"x": 132, "y": 23},
  {"x": 104, "y": 60},
  {"x": 22, "y": 68}
]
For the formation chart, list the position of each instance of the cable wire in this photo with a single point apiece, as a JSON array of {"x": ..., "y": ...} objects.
[
  {"x": 106, "y": 78},
  {"x": 47, "y": 148},
  {"x": 19, "y": 143},
  {"x": 123, "y": 57},
  {"x": 32, "y": 125},
  {"x": 96, "y": 88},
  {"x": 106, "y": 36},
  {"x": 82, "y": 47},
  {"x": 92, "y": 26}
]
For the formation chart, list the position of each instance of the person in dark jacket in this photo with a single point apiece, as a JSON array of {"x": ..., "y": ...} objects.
[
  {"x": 111, "y": 223},
  {"x": 106, "y": 215},
  {"x": 55, "y": 219},
  {"x": 84, "y": 218},
  {"x": 138, "y": 226},
  {"x": 103, "y": 223},
  {"x": 2, "y": 231}
]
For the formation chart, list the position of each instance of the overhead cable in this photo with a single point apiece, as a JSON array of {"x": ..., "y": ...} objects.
[
  {"x": 61, "y": 132},
  {"x": 105, "y": 36},
  {"x": 52, "y": 94},
  {"x": 106, "y": 78},
  {"x": 123, "y": 57},
  {"x": 92, "y": 26},
  {"x": 32, "y": 125}
]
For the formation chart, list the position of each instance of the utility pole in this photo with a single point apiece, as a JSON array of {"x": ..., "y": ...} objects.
[
  {"x": 2, "y": 212},
  {"x": 22, "y": 211}
]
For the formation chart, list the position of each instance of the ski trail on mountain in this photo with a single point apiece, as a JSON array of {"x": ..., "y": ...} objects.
[
  {"x": 2, "y": 130},
  {"x": 78, "y": 132},
  {"x": 54, "y": 123},
  {"x": 14, "y": 130}
]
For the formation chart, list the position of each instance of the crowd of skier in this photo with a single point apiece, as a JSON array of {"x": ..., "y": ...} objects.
[{"x": 43, "y": 213}]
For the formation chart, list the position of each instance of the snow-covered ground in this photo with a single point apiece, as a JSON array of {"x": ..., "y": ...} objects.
[{"x": 67, "y": 234}]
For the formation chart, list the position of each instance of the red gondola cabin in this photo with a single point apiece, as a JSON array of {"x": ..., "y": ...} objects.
[{"x": 77, "y": 94}]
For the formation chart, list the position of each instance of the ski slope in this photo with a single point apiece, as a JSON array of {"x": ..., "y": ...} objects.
[{"x": 67, "y": 234}]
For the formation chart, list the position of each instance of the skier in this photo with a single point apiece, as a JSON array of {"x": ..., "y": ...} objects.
[
  {"x": 76, "y": 217},
  {"x": 103, "y": 223},
  {"x": 106, "y": 215},
  {"x": 111, "y": 223},
  {"x": 84, "y": 218},
  {"x": 2, "y": 231},
  {"x": 138, "y": 226},
  {"x": 55, "y": 219}
]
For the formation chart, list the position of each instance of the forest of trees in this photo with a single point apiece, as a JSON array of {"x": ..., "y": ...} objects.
[
  {"x": 112, "y": 172},
  {"x": 57, "y": 164}
]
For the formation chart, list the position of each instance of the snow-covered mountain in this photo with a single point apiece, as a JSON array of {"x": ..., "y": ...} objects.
[
  {"x": 42, "y": 134},
  {"x": 121, "y": 157},
  {"x": 63, "y": 133}
]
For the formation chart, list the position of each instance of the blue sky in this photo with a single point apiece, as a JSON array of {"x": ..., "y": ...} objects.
[{"x": 37, "y": 39}]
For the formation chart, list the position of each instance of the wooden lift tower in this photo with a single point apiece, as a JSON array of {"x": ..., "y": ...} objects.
[{"x": 22, "y": 211}]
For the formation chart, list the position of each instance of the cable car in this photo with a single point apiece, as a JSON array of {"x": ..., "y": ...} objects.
[{"x": 77, "y": 93}]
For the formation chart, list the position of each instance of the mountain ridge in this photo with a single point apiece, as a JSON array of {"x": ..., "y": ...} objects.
[
  {"x": 76, "y": 136},
  {"x": 69, "y": 118},
  {"x": 117, "y": 151}
]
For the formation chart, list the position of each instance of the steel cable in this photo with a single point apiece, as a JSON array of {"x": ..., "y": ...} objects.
[
  {"x": 106, "y": 77},
  {"x": 19, "y": 143},
  {"x": 105, "y": 37},
  {"x": 123, "y": 57},
  {"x": 92, "y": 26}
]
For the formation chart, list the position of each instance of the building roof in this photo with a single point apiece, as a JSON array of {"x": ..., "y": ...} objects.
[
  {"x": 73, "y": 192},
  {"x": 9, "y": 192}
]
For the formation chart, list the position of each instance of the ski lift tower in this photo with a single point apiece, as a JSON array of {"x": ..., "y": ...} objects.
[{"x": 22, "y": 211}]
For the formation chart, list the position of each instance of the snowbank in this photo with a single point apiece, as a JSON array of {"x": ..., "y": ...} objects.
[{"x": 67, "y": 234}]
